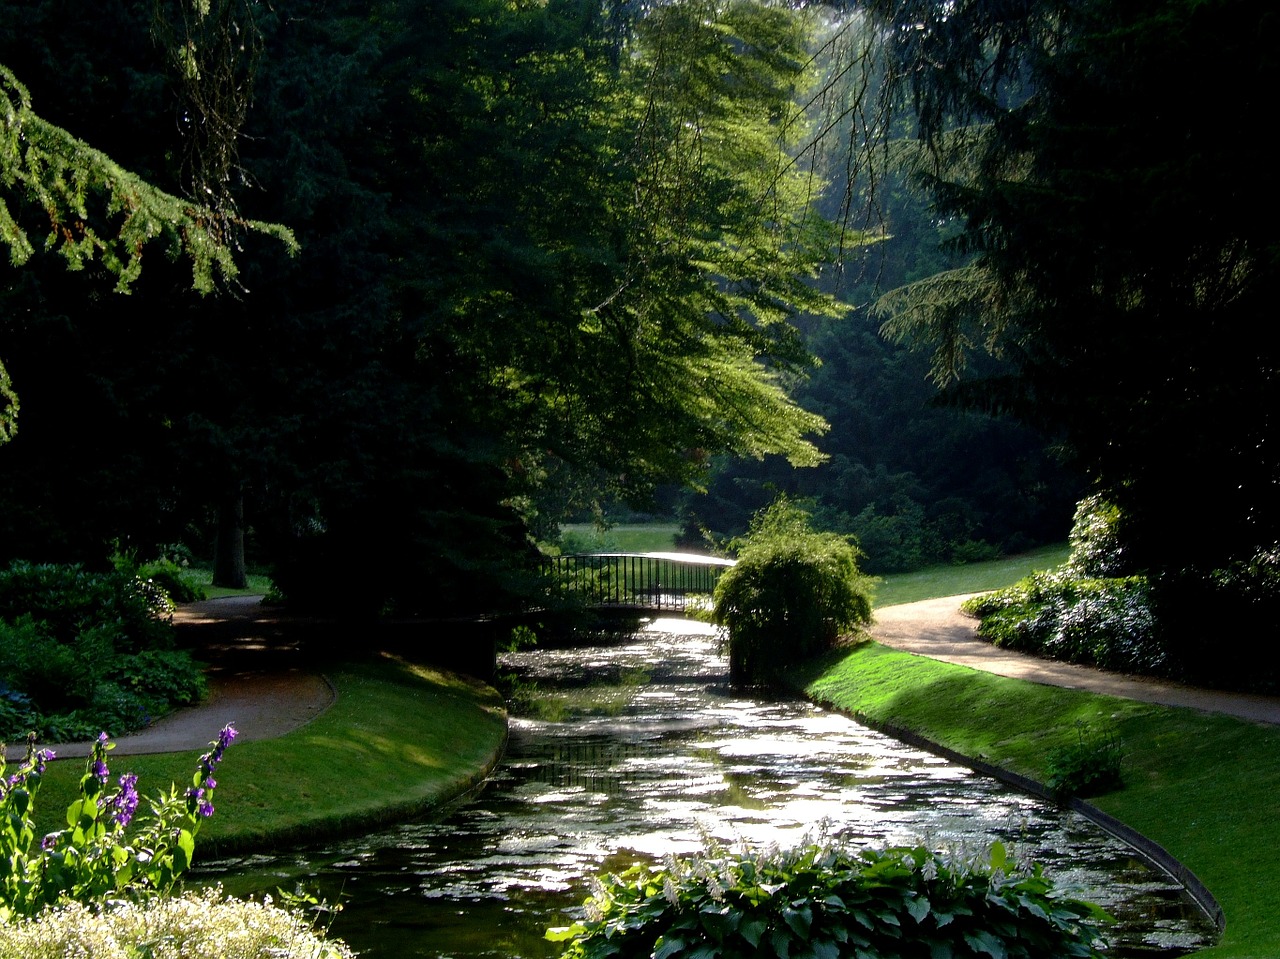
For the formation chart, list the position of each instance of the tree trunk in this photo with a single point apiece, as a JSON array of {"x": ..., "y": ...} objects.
[{"x": 228, "y": 549}]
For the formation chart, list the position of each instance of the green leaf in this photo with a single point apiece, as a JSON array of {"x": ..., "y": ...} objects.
[
  {"x": 664, "y": 948},
  {"x": 752, "y": 929},
  {"x": 800, "y": 920},
  {"x": 999, "y": 856},
  {"x": 564, "y": 933},
  {"x": 825, "y": 949},
  {"x": 984, "y": 942},
  {"x": 918, "y": 908}
]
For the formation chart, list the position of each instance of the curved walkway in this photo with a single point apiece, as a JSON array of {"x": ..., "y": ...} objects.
[
  {"x": 936, "y": 628},
  {"x": 262, "y": 689}
]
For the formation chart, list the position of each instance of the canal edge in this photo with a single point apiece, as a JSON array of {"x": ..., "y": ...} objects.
[{"x": 1147, "y": 849}]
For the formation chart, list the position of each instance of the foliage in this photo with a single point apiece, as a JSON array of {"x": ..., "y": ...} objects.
[
  {"x": 204, "y": 923},
  {"x": 1098, "y": 622},
  {"x": 792, "y": 594},
  {"x": 46, "y": 167},
  {"x": 106, "y": 851},
  {"x": 1085, "y": 611},
  {"x": 1088, "y": 767},
  {"x": 171, "y": 578},
  {"x": 71, "y": 599},
  {"x": 1065, "y": 144},
  {"x": 81, "y": 651},
  {"x": 825, "y": 901},
  {"x": 1097, "y": 548},
  {"x": 492, "y": 198}
]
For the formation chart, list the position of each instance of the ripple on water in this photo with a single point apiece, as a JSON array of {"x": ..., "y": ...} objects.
[{"x": 684, "y": 759}]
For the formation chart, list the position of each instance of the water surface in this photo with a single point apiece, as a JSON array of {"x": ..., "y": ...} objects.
[{"x": 650, "y": 753}]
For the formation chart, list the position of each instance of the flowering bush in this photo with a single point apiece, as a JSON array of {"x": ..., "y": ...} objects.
[
  {"x": 193, "y": 924},
  {"x": 826, "y": 902},
  {"x": 1097, "y": 622},
  {"x": 106, "y": 851}
]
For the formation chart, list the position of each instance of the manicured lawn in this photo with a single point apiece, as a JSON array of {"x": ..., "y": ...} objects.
[
  {"x": 1204, "y": 787},
  {"x": 399, "y": 740},
  {"x": 974, "y": 578},
  {"x": 626, "y": 537}
]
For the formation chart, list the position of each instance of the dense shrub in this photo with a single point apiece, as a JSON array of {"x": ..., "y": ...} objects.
[
  {"x": 171, "y": 578},
  {"x": 792, "y": 594},
  {"x": 69, "y": 599},
  {"x": 1097, "y": 622},
  {"x": 1083, "y": 612},
  {"x": 825, "y": 902},
  {"x": 83, "y": 652},
  {"x": 1096, "y": 547}
]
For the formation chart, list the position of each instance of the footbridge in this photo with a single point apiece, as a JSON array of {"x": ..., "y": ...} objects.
[{"x": 644, "y": 582}]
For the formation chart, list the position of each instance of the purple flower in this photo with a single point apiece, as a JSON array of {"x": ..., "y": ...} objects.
[
  {"x": 101, "y": 771},
  {"x": 125, "y": 802},
  {"x": 206, "y": 808}
]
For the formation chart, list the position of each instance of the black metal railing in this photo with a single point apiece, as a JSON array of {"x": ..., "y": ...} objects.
[{"x": 651, "y": 581}]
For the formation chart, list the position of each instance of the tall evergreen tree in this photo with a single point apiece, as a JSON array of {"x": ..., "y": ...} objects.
[{"x": 1102, "y": 162}]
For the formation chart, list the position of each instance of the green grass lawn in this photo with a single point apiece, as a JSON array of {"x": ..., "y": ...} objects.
[
  {"x": 399, "y": 740},
  {"x": 625, "y": 537},
  {"x": 1204, "y": 787},
  {"x": 258, "y": 584},
  {"x": 973, "y": 578}
]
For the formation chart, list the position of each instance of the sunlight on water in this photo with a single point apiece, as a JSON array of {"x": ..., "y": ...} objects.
[{"x": 682, "y": 759}]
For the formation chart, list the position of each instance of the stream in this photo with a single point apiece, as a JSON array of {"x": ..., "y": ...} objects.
[{"x": 642, "y": 750}]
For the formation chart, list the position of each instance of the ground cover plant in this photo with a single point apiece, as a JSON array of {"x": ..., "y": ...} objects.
[
  {"x": 195, "y": 923},
  {"x": 826, "y": 901},
  {"x": 1093, "y": 609},
  {"x": 82, "y": 652}
]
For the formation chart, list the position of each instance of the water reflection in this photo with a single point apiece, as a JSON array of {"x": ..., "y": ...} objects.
[{"x": 655, "y": 755}]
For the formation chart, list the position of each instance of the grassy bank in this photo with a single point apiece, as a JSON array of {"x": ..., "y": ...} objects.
[
  {"x": 1203, "y": 787},
  {"x": 399, "y": 740}
]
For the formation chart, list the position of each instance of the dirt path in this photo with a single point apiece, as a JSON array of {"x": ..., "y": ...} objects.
[
  {"x": 938, "y": 629},
  {"x": 261, "y": 688}
]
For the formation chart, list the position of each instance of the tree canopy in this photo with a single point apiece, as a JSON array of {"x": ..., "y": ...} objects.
[
  {"x": 1116, "y": 214},
  {"x": 543, "y": 259}
]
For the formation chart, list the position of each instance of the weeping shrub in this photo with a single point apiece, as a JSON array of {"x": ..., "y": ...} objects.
[{"x": 793, "y": 593}]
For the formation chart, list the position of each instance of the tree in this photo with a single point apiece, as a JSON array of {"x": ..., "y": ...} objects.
[
  {"x": 516, "y": 290},
  {"x": 47, "y": 171},
  {"x": 1099, "y": 161}
]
